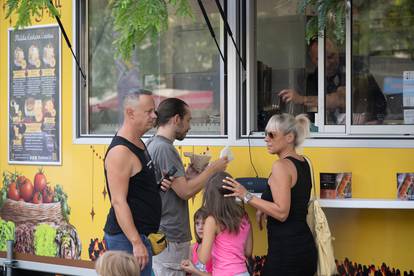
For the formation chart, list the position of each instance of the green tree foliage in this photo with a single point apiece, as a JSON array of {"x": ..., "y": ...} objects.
[
  {"x": 134, "y": 20},
  {"x": 384, "y": 28},
  {"x": 26, "y": 9},
  {"x": 330, "y": 16}
]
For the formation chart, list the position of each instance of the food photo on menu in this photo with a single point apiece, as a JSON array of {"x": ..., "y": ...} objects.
[
  {"x": 19, "y": 59},
  {"x": 34, "y": 56},
  {"x": 335, "y": 185},
  {"x": 405, "y": 186},
  {"x": 49, "y": 55}
]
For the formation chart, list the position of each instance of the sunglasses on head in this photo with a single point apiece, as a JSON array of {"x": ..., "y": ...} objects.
[{"x": 270, "y": 134}]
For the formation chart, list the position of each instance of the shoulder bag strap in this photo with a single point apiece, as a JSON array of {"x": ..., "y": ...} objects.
[{"x": 312, "y": 175}]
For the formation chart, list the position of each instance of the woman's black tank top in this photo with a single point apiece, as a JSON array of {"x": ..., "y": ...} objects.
[
  {"x": 300, "y": 195},
  {"x": 143, "y": 194}
]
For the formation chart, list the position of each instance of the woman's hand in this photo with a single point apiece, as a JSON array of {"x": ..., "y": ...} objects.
[
  {"x": 237, "y": 189},
  {"x": 260, "y": 219}
]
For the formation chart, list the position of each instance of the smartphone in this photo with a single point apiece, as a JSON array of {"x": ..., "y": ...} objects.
[{"x": 170, "y": 173}]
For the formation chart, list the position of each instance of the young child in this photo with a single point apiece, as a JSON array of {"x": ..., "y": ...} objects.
[
  {"x": 227, "y": 234},
  {"x": 188, "y": 265},
  {"x": 117, "y": 263}
]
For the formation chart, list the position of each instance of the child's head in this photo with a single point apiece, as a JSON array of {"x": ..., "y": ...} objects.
[
  {"x": 117, "y": 263},
  {"x": 227, "y": 212},
  {"x": 199, "y": 218}
]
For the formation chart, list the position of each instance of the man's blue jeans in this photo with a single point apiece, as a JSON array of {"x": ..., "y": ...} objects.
[{"x": 120, "y": 242}]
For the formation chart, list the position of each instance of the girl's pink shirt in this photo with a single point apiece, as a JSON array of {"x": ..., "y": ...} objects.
[{"x": 228, "y": 251}]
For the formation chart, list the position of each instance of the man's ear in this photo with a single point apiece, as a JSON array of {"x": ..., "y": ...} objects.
[
  {"x": 129, "y": 111},
  {"x": 176, "y": 119}
]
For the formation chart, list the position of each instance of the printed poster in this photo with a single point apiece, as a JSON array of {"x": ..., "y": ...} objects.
[
  {"x": 35, "y": 95},
  {"x": 408, "y": 89}
]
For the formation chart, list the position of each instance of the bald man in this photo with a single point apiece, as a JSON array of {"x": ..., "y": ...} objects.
[{"x": 368, "y": 102}]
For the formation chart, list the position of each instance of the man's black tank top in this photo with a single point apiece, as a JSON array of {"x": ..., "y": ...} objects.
[{"x": 143, "y": 195}]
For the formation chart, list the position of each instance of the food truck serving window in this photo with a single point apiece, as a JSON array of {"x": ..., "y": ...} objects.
[
  {"x": 357, "y": 86},
  {"x": 362, "y": 85},
  {"x": 182, "y": 62}
]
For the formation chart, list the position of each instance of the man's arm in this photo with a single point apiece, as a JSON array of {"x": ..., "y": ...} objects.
[
  {"x": 336, "y": 99},
  {"x": 186, "y": 189},
  {"x": 291, "y": 95},
  {"x": 119, "y": 165},
  {"x": 333, "y": 100}
]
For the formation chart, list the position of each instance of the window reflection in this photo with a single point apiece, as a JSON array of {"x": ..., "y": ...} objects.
[
  {"x": 334, "y": 82},
  {"x": 382, "y": 55},
  {"x": 183, "y": 62},
  {"x": 280, "y": 59},
  {"x": 287, "y": 66}
]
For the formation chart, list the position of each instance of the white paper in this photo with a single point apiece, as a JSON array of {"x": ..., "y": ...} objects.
[
  {"x": 408, "y": 116},
  {"x": 226, "y": 152},
  {"x": 408, "y": 89}
]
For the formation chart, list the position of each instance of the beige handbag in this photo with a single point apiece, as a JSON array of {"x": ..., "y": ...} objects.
[{"x": 322, "y": 234}]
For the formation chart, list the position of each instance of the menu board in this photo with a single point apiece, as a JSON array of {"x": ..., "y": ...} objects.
[{"x": 34, "y": 95}]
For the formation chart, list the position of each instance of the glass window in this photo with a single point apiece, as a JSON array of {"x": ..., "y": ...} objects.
[
  {"x": 282, "y": 63},
  {"x": 334, "y": 80},
  {"x": 183, "y": 62},
  {"x": 284, "y": 68},
  {"x": 382, "y": 62}
]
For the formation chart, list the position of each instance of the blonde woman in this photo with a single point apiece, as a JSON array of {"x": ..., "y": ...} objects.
[
  {"x": 117, "y": 263},
  {"x": 291, "y": 247}
]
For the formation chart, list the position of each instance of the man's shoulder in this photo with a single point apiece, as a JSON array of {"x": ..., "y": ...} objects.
[
  {"x": 118, "y": 154},
  {"x": 119, "y": 149},
  {"x": 157, "y": 144}
]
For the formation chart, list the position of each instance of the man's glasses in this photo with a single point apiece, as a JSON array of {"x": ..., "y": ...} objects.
[{"x": 270, "y": 134}]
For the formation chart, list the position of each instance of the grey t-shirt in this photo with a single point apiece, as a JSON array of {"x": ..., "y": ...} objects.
[{"x": 175, "y": 215}]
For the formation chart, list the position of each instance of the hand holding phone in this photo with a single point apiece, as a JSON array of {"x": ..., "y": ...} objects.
[{"x": 170, "y": 173}]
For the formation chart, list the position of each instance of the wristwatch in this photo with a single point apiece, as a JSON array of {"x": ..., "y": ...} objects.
[{"x": 247, "y": 197}]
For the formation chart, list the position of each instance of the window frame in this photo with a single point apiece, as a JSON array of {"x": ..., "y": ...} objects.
[
  {"x": 350, "y": 136},
  {"x": 354, "y": 135},
  {"x": 81, "y": 98},
  {"x": 400, "y": 130}
]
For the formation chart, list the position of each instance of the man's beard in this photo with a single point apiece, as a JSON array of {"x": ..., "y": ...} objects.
[{"x": 180, "y": 135}]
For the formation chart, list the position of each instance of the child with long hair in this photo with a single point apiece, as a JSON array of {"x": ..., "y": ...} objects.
[
  {"x": 227, "y": 234},
  {"x": 188, "y": 265}
]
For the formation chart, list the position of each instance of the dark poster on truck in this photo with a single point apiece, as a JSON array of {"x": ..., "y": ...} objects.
[{"x": 34, "y": 99}]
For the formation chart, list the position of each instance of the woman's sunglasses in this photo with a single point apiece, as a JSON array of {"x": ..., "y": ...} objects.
[{"x": 270, "y": 134}]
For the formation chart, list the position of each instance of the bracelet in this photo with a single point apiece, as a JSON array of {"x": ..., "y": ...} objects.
[{"x": 200, "y": 266}]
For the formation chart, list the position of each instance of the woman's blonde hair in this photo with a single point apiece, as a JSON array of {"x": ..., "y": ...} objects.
[
  {"x": 287, "y": 123},
  {"x": 117, "y": 263}
]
